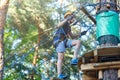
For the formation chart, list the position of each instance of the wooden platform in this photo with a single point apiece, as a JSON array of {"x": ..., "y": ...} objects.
[
  {"x": 94, "y": 62},
  {"x": 99, "y": 66},
  {"x": 104, "y": 51},
  {"x": 102, "y": 54}
]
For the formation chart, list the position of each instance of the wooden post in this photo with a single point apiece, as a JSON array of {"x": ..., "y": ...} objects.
[
  {"x": 118, "y": 73},
  {"x": 95, "y": 56},
  {"x": 100, "y": 75},
  {"x": 83, "y": 60}
]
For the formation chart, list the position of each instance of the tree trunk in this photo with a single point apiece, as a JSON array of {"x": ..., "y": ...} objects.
[
  {"x": 40, "y": 31},
  {"x": 110, "y": 74},
  {"x": 3, "y": 12},
  {"x": 108, "y": 40}
]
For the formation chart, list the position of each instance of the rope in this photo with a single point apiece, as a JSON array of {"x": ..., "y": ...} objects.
[{"x": 33, "y": 48}]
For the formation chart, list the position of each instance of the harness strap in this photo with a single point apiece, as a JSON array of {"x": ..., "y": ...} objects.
[{"x": 61, "y": 37}]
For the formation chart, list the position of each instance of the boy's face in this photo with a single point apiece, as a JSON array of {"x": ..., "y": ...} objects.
[{"x": 72, "y": 20}]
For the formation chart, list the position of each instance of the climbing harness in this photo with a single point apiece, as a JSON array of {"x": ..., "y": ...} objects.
[{"x": 59, "y": 37}]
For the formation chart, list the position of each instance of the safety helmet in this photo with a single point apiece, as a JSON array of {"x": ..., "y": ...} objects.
[{"x": 68, "y": 13}]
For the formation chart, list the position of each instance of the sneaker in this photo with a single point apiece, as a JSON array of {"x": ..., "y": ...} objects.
[
  {"x": 61, "y": 76},
  {"x": 74, "y": 61}
]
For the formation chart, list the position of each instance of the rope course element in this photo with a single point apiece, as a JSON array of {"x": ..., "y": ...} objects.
[
  {"x": 33, "y": 48},
  {"x": 47, "y": 40}
]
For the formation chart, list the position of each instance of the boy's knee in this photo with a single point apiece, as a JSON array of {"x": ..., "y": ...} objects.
[
  {"x": 76, "y": 42},
  {"x": 60, "y": 57}
]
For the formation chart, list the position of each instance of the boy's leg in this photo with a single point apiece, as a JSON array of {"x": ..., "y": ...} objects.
[
  {"x": 60, "y": 50},
  {"x": 59, "y": 62},
  {"x": 76, "y": 43}
]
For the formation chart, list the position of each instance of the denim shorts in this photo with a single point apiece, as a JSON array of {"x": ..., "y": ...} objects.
[{"x": 61, "y": 47}]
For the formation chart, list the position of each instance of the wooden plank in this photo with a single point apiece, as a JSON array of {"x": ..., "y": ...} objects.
[
  {"x": 89, "y": 54},
  {"x": 89, "y": 75},
  {"x": 113, "y": 50},
  {"x": 100, "y": 66},
  {"x": 104, "y": 51},
  {"x": 93, "y": 56},
  {"x": 85, "y": 77}
]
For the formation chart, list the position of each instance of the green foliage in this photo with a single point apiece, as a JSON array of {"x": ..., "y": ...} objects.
[{"x": 23, "y": 20}]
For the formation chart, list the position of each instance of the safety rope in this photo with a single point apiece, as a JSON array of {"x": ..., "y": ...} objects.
[{"x": 32, "y": 49}]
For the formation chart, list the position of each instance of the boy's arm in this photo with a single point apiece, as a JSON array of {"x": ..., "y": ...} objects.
[
  {"x": 70, "y": 34},
  {"x": 65, "y": 21},
  {"x": 61, "y": 23},
  {"x": 77, "y": 35}
]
